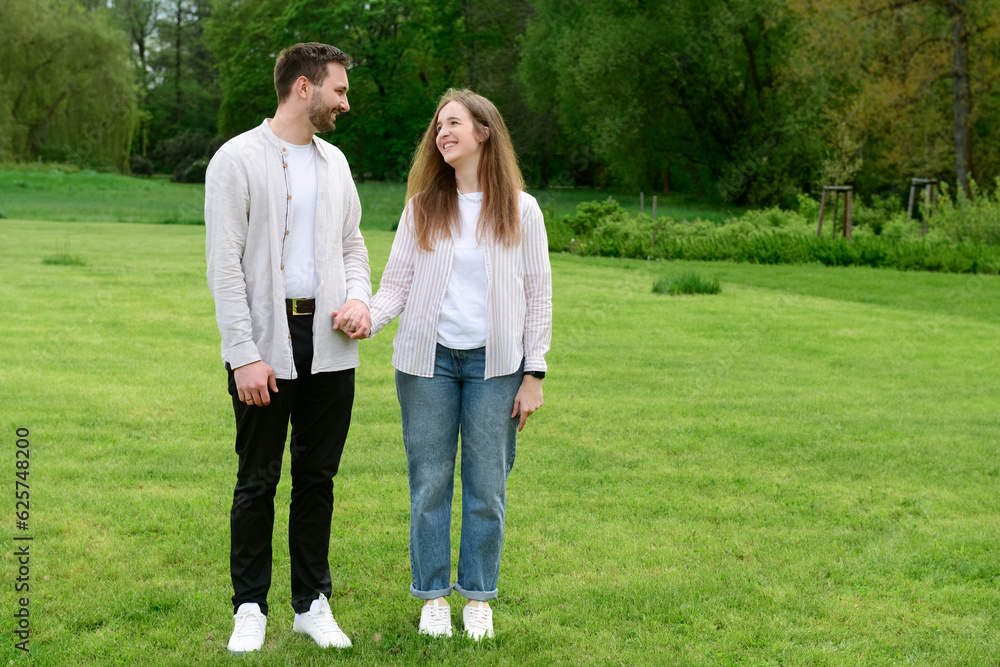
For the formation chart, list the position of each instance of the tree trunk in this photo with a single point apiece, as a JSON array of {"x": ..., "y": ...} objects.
[
  {"x": 471, "y": 41},
  {"x": 696, "y": 185},
  {"x": 960, "y": 63},
  {"x": 178, "y": 110}
]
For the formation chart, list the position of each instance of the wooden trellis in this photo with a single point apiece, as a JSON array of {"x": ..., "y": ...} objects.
[
  {"x": 848, "y": 194},
  {"x": 930, "y": 186}
]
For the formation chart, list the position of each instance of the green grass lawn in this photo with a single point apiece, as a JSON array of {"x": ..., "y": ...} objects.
[
  {"x": 801, "y": 470},
  {"x": 94, "y": 197}
]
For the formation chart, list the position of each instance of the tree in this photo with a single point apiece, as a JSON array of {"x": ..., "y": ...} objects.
[
  {"x": 905, "y": 64},
  {"x": 404, "y": 57},
  {"x": 67, "y": 90},
  {"x": 701, "y": 84},
  {"x": 183, "y": 100},
  {"x": 138, "y": 18}
]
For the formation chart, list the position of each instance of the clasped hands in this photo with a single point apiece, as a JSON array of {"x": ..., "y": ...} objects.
[
  {"x": 353, "y": 319},
  {"x": 255, "y": 382}
]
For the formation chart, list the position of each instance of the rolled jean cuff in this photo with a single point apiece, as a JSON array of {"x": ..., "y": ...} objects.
[
  {"x": 482, "y": 596},
  {"x": 429, "y": 595}
]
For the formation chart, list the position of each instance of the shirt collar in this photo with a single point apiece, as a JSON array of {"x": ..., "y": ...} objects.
[{"x": 265, "y": 127}]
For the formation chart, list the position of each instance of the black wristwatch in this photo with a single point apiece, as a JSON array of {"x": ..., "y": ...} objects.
[{"x": 536, "y": 374}]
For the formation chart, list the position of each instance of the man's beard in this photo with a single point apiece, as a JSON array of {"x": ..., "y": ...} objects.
[{"x": 320, "y": 115}]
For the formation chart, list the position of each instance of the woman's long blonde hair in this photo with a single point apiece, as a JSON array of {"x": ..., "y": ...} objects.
[{"x": 431, "y": 186}]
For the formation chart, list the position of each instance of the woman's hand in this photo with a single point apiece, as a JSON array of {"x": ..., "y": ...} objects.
[
  {"x": 527, "y": 400},
  {"x": 353, "y": 319}
]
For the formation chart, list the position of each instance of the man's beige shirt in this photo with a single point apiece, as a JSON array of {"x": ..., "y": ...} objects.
[{"x": 248, "y": 218}]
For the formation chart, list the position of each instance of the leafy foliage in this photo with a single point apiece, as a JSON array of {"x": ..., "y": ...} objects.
[
  {"x": 140, "y": 166},
  {"x": 964, "y": 219},
  {"x": 689, "y": 282},
  {"x": 64, "y": 259},
  {"x": 767, "y": 236},
  {"x": 404, "y": 58},
  {"x": 747, "y": 101},
  {"x": 890, "y": 70},
  {"x": 66, "y": 86},
  {"x": 700, "y": 87}
]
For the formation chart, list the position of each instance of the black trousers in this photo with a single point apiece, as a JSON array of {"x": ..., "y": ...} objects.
[{"x": 319, "y": 408}]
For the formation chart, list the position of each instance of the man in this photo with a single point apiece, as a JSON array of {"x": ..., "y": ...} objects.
[{"x": 284, "y": 250}]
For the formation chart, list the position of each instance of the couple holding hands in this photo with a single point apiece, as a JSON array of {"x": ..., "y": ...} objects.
[{"x": 468, "y": 276}]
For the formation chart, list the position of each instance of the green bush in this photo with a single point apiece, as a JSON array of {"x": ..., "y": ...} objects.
[
  {"x": 808, "y": 207},
  {"x": 775, "y": 218},
  {"x": 556, "y": 229},
  {"x": 769, "y": 236},
  {"x": 975, "y": 220},
  {"x": 872, "y": 217},
  {"x": 195, "y": 172},
  {"x": 591, "y": 214},
  {"x": 64, "y": 259},
  {"x": 140, "y": 165},
  {"x": 687, "y": 283}
]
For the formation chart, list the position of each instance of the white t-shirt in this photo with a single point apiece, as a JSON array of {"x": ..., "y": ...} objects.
[
  {"x": 462, "y": 323},
  {"x": 301, "y": 279}
]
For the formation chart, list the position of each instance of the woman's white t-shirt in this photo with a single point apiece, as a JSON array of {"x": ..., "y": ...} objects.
[{"x": 462, "y": 323}]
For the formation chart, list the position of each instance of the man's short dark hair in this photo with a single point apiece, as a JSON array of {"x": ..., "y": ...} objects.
[{"x": 308, "y": 60}]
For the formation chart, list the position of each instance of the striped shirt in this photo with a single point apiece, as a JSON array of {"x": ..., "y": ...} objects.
[{"x": 518, "y": 297}]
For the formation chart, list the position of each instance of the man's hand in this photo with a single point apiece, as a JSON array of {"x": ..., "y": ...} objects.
[
  {"x": 527, "y": 400},
  {"x": 252, "y": 382},
  {"x": 353, "y": 319}
]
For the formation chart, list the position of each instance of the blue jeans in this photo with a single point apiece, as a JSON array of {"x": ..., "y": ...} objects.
[{"x": 457, "y": 399}]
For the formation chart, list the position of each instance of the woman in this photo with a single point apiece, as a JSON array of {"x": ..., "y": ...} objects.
[{"x": 469, "y": 271}]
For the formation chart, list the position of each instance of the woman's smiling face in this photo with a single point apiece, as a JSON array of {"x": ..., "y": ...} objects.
[{"x": 456, "y": 135}]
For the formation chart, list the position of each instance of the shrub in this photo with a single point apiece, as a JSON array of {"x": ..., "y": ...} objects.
[
  {"x": 181, "y": 150},
  {"x": 883, "y": 208},
  {"x": 590, "y": 214},
  {"x": 771, "y": 218},
  {"x": 559, "y": 234},
  {"x": 64, "y": 259},
  {"x": 975, "y": 220},
  {"x": 770, "y": 236},
  {"x": 195, "y": 172},
  {"x": 808, "y": 207},
  {"x": 140, "y": 165},
  {"x": 874, "y": 217},
  {"x": 687, "y": 283},
  {"x": 621, "y": 236}
]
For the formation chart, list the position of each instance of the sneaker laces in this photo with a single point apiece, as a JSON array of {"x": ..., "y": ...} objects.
[
  {"x": 248, "y": 626},
  {"x": 440, "y": 614},
  {"x": 479, "y": 618},
  {"x": 324, "y": 620}
]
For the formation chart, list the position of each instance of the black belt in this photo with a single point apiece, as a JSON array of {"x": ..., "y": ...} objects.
[{"x": 300, "y": 306}]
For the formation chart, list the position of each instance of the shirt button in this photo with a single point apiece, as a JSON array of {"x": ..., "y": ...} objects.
[
  {"x": 287, "y": 232},
  {"x": 282, "y": 267},
  {"x": 285, "y": 165},
  {"x": 283, "y": 149},
  {"x": 289, "y": 196}
]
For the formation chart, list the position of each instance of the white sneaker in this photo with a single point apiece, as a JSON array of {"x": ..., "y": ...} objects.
[
  {"x": 435, "y": 620},
  {"x": 248, "y": 635},
  {"x": 478, "y": 622},
  {"x": 318, "y": 623}
]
